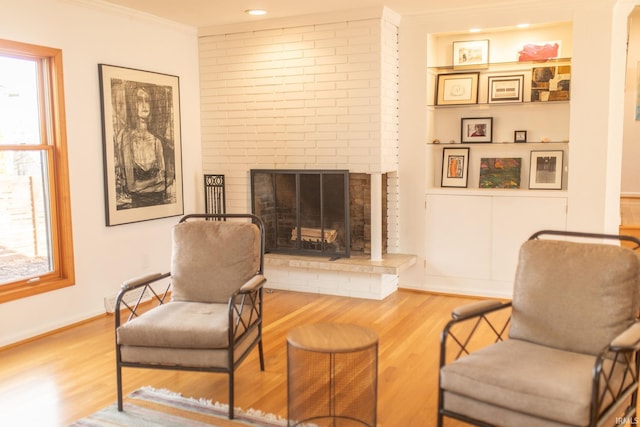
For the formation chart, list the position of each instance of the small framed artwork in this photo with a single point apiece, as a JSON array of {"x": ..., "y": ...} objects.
[
  {"x": 455, "y": 167},
  {"x": 545, "y": 170},
  {"x": 478, "y": 129},
  {"x": 551, "y": 83},
  {"x": 470, "y": 54},
  {"x": 520, "y": 136},
  {"x": 503, "y": 89},
  {"x": 500, "y": 172},
  {"x": 457, "y": 89}
]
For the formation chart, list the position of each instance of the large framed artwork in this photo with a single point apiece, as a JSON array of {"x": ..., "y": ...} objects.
[{"x": 142, "y": 146}]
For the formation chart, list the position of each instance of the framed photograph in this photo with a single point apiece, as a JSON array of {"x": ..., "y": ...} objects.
[
  {"x": 520, "y": 136},
  {"x": 457, "y": 89},
  {"x": 503, "y": 89},
  {"x": 545, "y": 170},
  {"x": 470, "y": 54},
  {"x": 142, "y": 147},
  {"x": 455, "y": 167},
  {"x": 476, "y": 129},
  {"x": 500, "y": 172}
]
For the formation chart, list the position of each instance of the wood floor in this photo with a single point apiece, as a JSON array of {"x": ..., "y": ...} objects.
[
  {"x": 57, "y": 379},
  {"x": 60, "y": 378}
]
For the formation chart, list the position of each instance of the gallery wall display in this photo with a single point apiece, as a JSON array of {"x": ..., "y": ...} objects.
[{"x": 141, "y": 144}]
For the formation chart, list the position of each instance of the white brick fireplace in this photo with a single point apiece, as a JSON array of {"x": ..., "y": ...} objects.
[{"x": 309, "y": 96}]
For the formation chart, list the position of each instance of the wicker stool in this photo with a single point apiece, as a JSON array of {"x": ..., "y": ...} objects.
[{"x": 332, "y": 375}]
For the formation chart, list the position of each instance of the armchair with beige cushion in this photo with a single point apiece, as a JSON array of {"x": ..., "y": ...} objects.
[
  {"x": 565, "y": 355},
  {"x": 214, "y": 316}
]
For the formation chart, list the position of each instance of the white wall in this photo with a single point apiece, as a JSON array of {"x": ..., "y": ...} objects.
[{"x": 89, "y": 33}]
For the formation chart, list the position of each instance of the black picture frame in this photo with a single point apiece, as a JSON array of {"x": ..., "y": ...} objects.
[
  {"x": 455, "y": 167},
  {"x": 142, "y": 147},
  {"x": 476, "y": 129},
  {"x": 520, "y": 136}
]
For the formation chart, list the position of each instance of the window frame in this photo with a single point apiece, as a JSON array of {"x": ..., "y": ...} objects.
[{"x": 54, "y": 144}]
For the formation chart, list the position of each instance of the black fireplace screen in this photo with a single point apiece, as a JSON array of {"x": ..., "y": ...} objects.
[{"x": 305, "y": 211}]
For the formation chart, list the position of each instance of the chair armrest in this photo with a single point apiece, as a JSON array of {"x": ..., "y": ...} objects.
[
  {"x": 253, "y": 284},
  {"x": 477, "y": 308},
  {"x": 628, "y": 340},
  {"x": 136, "y": 282}
]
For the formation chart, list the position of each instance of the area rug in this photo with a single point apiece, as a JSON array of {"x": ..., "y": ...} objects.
[{"x": 149, "y": 407}]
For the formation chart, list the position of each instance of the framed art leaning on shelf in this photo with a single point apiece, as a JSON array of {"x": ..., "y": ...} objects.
[
  {"x": 457, "y": 89},
  {"x": 505, "y": 89},
  {"x": 455, "y": 167},
  {"x": 471, "y": 54},
  {"x": 545, "y": 170}
]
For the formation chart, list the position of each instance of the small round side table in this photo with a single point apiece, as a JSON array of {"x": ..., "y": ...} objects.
[{"x": 332, "y": 375}]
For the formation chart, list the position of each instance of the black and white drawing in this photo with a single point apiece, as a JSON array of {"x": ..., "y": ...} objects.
[{"x": 142, "y": 146}]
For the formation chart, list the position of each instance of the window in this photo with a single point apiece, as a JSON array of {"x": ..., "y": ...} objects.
[{"x": 36, "y": 250}]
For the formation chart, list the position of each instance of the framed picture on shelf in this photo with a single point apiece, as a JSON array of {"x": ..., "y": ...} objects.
[
  {"x": 470, "y": 54},
  {"x": 500, "y": 172},
  {"x": 478, "y": 129},
  {"x": 504, "y": 89},
  {"x": 457, "y": 89},
  {"x": 455, "y": 167},
  {"x": 551, "y": 83},
  {"x": 520, "y": 136},
  {"x": 545, "y": 170}
]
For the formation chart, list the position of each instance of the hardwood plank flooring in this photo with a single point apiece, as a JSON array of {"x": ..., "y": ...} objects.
[{"x": 60, "y": 378}]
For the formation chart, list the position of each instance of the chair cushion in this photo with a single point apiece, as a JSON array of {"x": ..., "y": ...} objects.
[
  {"x": 574, "y": 296},
  {"x": 188, "y": 325},
  {"x": 212, "y": 259},
  {"x": 553, "y": 384}
]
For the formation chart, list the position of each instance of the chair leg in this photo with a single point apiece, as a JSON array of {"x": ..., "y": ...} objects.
[
  {"x": 119, "y": 386},
  {"x": 261, "y": 353},
  {"x": 231, "y": 395}
]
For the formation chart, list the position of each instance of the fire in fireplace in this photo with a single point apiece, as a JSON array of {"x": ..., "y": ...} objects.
[{"x": 304, "y": 211}]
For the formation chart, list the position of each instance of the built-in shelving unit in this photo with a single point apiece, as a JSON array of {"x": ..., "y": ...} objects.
[{"x": 474, "y": 233}]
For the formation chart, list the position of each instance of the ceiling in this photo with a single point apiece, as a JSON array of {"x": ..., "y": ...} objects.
[{"x": 204, "y": 13}]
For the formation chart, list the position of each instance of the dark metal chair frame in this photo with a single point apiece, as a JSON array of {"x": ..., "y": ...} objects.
[
  {"x": 627, "y": 358},
  {"x": 244, "y": 308}
]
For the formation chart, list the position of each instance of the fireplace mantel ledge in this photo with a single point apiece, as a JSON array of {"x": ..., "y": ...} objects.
[{"x": 390, "y": 263}]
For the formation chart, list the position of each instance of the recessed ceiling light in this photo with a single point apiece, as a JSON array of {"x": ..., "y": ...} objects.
[
  {"x": 523, "y": 25},
  {"x": 255, "y": 12},
  {"x": 475, "y": 30}
]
